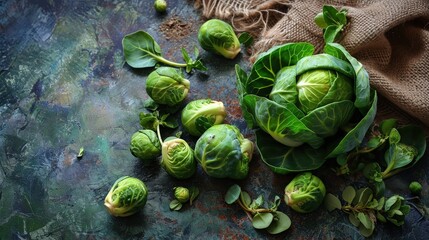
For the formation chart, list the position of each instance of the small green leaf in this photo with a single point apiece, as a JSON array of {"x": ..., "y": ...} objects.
[
  {"x": 380, "y": 217},
  {"x": 276, "y": 203},
  {"x": 246, "y": 39},
  {"x": 331, "y": 202},
  {"x": 185, "y": 55},
  {"x": 373, "y": 142},
  {"x": 256, "y": 203},
  {"x": 365, "y": 220},
  {"x": 175, "y": 205},
  {"x": 320, "y": 21},
  {"x": 354, "y": 220},
  {"x": 232, "y": 194},
  {"x": 366, "y": 232},
  {"x": 332, "y": 33},
  {"x": 262, "y": 220},
  {"x": 387, "y": 125},
  {"x": 280, "y": 223},
  {"x": 245, "y": 199},
  {"x": 193, "y": 194},
  {"x": 394, "y": 136},
  {"x": 364, "y": 195},
  {"x": 349, "y": 194}
]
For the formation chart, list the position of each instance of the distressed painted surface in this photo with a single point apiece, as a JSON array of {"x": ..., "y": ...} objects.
[{"x": 64, "y": 85}]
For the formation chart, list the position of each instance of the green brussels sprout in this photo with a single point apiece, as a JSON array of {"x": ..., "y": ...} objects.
[
  {"x": 145, "y": 145},
  {"x": 181, "y": 194},
  {"x": 199, "y": 115},
  {"x": 305, "y": 193},
  {"x": 415, "y": 188},
  {"x": 178, "y": 158},
  {"x": 218, "y": 37},
  {"x": 160, "y": 5},
  {"x": 127, "y": 196},
  {"x": 166, "y": 85},
  {"x": 223, "y": 152}
]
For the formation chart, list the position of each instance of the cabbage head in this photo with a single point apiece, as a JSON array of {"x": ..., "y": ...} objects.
[
  {"x": 201, "y": 114},
  {"x": 178, "y": 158},
  {"x": 223, "y": 152},
  {"x": 218, "y": 37},
  {"x": 127, "y": 196},
  {"x": 167, "y": 86},
  {"x": 306, "y": 108},
  {"x": 145, "y": 144}
]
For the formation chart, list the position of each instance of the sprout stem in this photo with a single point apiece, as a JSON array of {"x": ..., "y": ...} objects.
[
  {"x": 158, "y": 131},
  {"x": 170, "y": 63}
]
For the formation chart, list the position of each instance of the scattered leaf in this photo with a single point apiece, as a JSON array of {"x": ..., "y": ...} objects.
[
  {"x": 232, "y": 194},
  {"x": 262, "y": 220},
  {"x": 280, "y": 223}
]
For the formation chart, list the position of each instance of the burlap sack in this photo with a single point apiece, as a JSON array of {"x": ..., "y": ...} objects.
[{"x": 389, "y": 37}]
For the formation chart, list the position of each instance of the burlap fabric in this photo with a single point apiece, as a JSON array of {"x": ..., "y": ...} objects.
[{"x": 389, "y": 37}]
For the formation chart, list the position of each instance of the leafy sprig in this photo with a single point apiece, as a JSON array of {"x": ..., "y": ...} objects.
[
  {"x": 389, "y": 150},
  {"x": 268, "y": 218},
  {"x": 142, "y": 51},
  {"x": 332, "y": 22},
  {"x": 364, "y": 210}
]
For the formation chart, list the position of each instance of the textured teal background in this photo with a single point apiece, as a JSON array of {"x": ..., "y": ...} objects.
[{"x": 64, "y": 85}]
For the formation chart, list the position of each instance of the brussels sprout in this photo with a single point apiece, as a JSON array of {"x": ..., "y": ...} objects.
[
  {"x": 178, "y": 158},
  {"x": 199, "y": 115},
  {"x": 126, "y": 197},
  {"x": 223, "y": 152},
  {"x": 166, "y": 85},
  {"x": 305, "y": 193},
  {"x": 145, "y": 145},
  {"x": 218, "y": 37},
  {"x": 415, "y": 188},
  {"x": 181, "y": 194},
  {"x": 160, "y": 5}
]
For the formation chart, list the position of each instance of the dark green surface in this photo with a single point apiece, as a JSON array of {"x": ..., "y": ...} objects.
[{"x": 64, "y": 85}]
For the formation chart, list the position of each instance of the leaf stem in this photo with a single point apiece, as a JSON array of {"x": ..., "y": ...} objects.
[
  {"x": 171, "y": 63},
  {"x": 158, "y": 131}
]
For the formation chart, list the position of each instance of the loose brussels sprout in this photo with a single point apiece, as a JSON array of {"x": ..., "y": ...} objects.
[
  {"x": 160, "y": 5},
  {"x": 178, "y": 158},
  {"x": 166, "y": 85},
  {"x": 305, "y": 193},
  {"x": 145, "y": 144},
  {"x": 223, "y": 152},
  {"x": 415, "y": 188},
  {"x": 181, "y": 194},
  {"x": 218, "y": 37},
  {"x": 126, "y": 197},
  {"x": 199, "y": 115}
]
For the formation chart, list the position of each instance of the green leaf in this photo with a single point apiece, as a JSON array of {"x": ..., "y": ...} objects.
[
  {"x": 364, "y": 195},
  {"x": 354, "y": 220},
  {"x": 332, "y": 33},
  {"x": 264, "y": 70},
  {"x": 175, "y": 205},
  {"x": 320, "y": 20},
  {"x": 365, "y": 220},
  {"x": 280, "y": 223},
  {"x": 232, "y": 194},
  {"x": 349, "y": 194},
  {"x": 366, "y": 232},
  {"x": 373, "y": 142},
  {"x": 193, "y": 194},
  {"x": 331, "y": 202},
  {"x": 149, "y": 120},
  {"x": 394, "y": 136},
  {"x": 245, "y": 199},
  {"x": 282, "y": 159},
  {"x": 387, "y": 125},
  {"x": 81, "y": 151},
  {"x": 330, "y": 15},
  {"x": 258, "y": 202},
  {"x": 246, "y": 39},
  {"x": 141, "y": 50},
  {"x": 262, "y": 220},
  {"x": 276, "y": 203}
]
